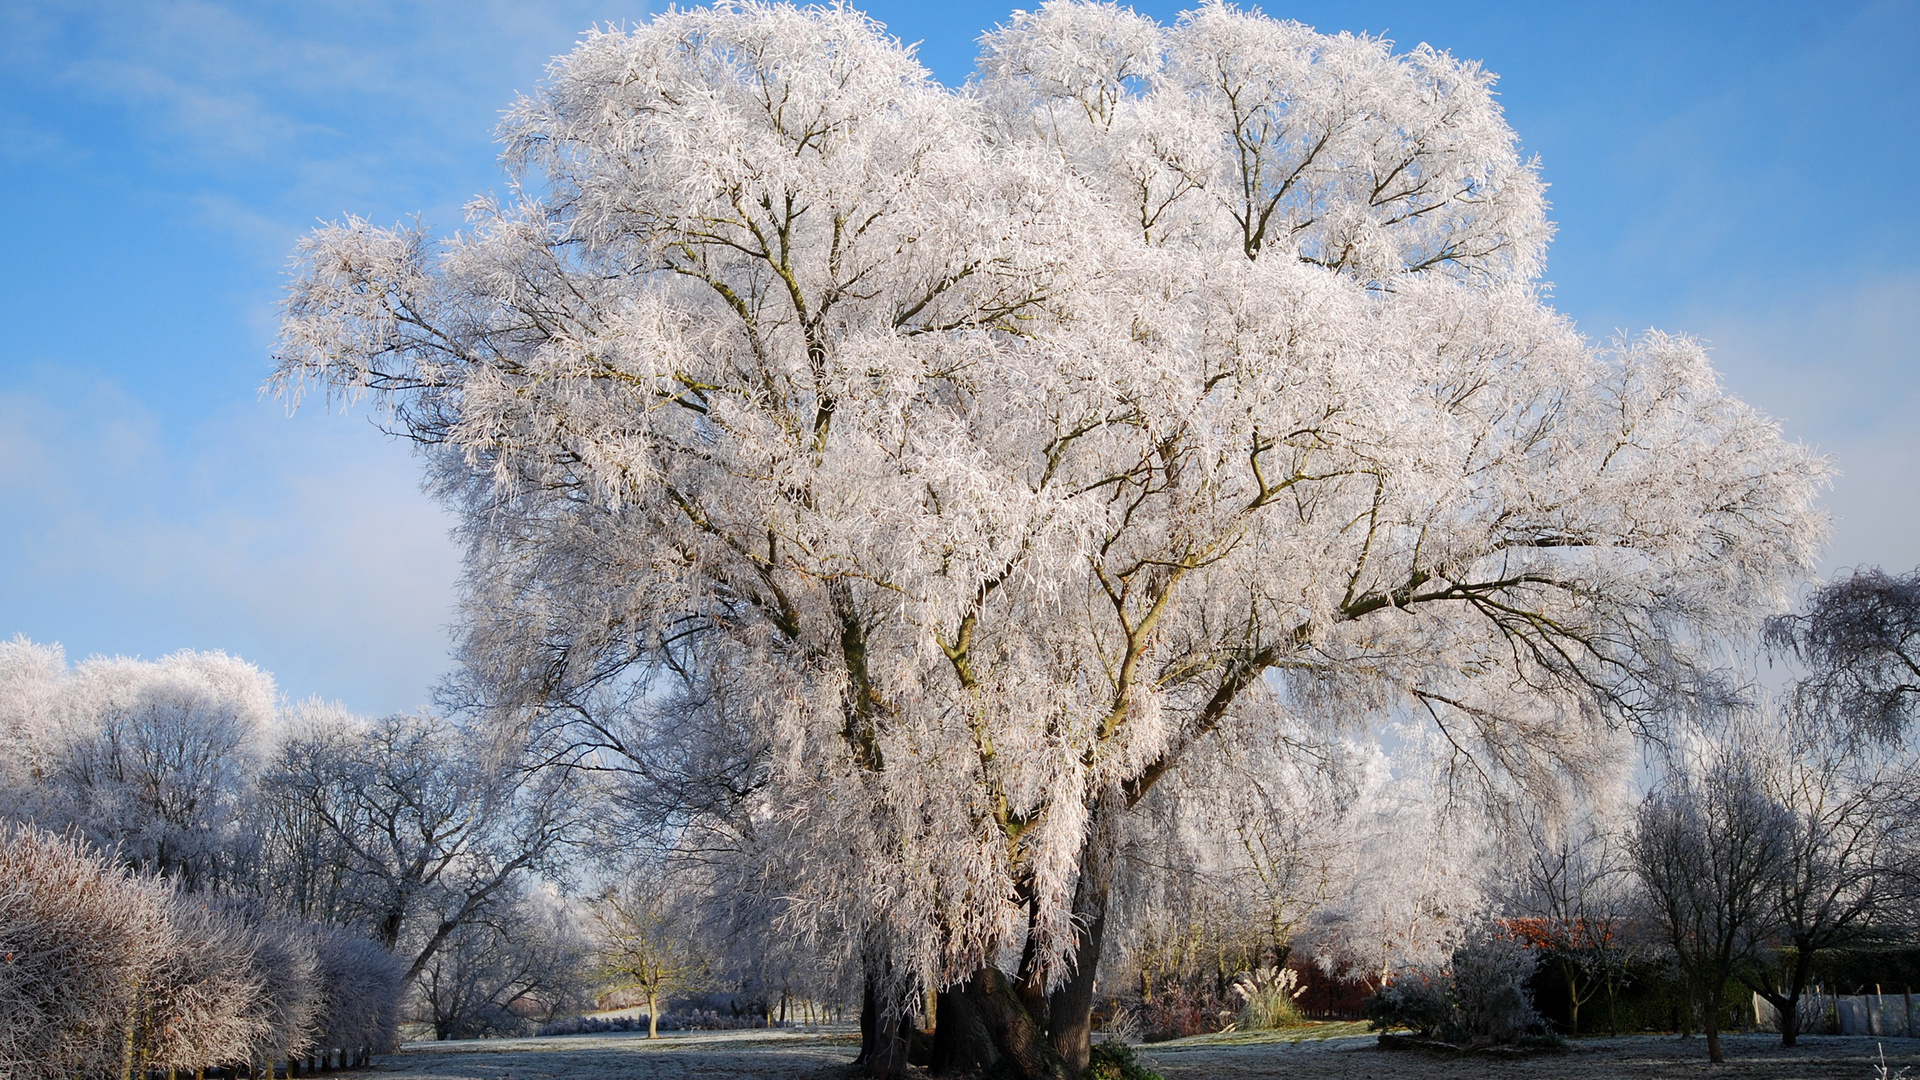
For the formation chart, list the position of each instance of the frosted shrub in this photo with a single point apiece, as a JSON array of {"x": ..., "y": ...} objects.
[
  {"x": 360, "y": 992},
  {"x": 106, "y": 970},
  {"x": 1491, "y": 1000},
  {"x": 206, "y": 996},
  {"x": 1419, "y": 1000},
  {"x": 77, "y": 937},
  {"x": 103, "y": 971},
  {"x": 1483, "y": 999}
]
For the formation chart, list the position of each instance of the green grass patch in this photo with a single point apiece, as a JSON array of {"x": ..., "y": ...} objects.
[
  {"x": 1115, "y": 1061},
  {"x": 1309, "y": 1032}
]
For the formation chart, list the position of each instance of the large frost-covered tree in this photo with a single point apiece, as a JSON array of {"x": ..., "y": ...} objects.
[{"x": 917, "y": 479}]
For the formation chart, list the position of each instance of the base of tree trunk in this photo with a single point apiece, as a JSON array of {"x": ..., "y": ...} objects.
[
  {"x": 886, "y": 1048},
  {"x": 961, "y": 1042},
  {"x": 1021, "y": 1041}
]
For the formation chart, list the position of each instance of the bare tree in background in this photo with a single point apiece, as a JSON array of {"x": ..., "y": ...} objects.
[
  {"x": 1841, "y": 768},
  {"x": 1709, "y": 845},
  {"x": 1574, "y": 901},
  {"x": 1832, "y": 885},
  {"x": 645, "y": 942},
  {"x": 412, "y": 833},
  {"x": 524, "y": 963},
  {"x": 1859, "y": 637}
]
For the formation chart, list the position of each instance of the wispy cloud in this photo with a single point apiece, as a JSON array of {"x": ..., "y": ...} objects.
[{"x": 303, "y": 544}]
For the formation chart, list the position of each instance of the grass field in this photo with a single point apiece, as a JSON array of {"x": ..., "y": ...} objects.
[{"x": 1316, "y": 1052}]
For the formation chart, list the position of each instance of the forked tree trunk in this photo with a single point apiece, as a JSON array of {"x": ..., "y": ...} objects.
[
  {"x": 1790, "y": 1019},
  {"x": 1050, "y": 1036},
  {"x": 1789, "y": 1006}
]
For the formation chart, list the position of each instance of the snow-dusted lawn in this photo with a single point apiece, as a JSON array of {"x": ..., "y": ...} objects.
[
  {"x": 1638, "y": 1057},
  {"x": 1329, "y": 1052},
  {"x": 681, "y": 1055}
]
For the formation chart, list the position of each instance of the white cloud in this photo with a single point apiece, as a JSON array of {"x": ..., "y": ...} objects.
[{"x": 302, "y": 544}]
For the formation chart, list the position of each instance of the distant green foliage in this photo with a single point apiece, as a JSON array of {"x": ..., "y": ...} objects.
[{"x": 1115, "y": 1061}]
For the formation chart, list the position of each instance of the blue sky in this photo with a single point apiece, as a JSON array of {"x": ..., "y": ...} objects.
[{"x": 1742, "y": 172}]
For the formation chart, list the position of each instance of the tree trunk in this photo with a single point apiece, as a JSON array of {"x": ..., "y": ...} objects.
[
  {"x": 1710, "y": 1024},
  {"x": 887, "y": 1058},
  {"x": 1573, "y": 996},
  {"x": 1011, "y": 1024},
  {"x": 653, "y": 1016},
  {"x": 961, "y": 1043},
  {"x": 883, "y": 1045},
  {"x": 869, "y": 1020},
  {"x": 1070, "y": 1009},
  {"x": 1802, "y": 975}
]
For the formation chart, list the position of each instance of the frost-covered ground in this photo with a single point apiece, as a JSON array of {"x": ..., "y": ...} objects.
[
  {"x": 681, "y": 1055},
  {"x": 1331, "y": 1052},
  {"x": 1640, "y": 1057}
]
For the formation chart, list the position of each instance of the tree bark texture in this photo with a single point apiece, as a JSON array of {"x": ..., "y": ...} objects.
[
  {"x": 1070, "y": 1008},
  {"x": 1019, "y": 1038}
]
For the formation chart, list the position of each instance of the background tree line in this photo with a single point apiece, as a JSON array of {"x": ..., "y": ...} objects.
[{"x": 286, "y": 879}]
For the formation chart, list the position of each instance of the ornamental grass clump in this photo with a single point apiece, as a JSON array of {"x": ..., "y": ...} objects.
[{"x": 1268, "y": 997}]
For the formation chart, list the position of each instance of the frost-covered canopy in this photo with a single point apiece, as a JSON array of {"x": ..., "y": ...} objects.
[{"x": 932, "y": 472}]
